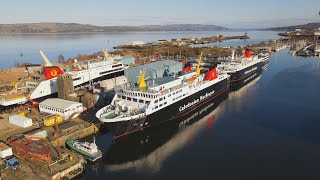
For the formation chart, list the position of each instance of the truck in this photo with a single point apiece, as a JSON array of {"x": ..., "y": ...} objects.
[{"x": 13, "y": 163}]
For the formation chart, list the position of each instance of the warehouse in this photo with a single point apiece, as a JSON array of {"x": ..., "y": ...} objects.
[
  {"x": 61, "y": 107},
  {"x": 154, "y": 70},
  {"x": 5, "y": 150},
  {"x": 20, "y": 121}
]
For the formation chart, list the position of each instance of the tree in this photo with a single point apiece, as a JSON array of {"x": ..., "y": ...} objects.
[{"x": 61, "y": 59}]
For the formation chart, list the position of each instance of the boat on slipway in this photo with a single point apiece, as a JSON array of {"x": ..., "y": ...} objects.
[
  {"x": 89, "y": 151},
  {"x": 135, "y": 107},
  {"x": 42, "y": 79}
]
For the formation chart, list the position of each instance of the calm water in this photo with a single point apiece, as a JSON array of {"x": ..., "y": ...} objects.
[
  {"x": 71, "y": 45},
  {"x": 269, "y": 129}
]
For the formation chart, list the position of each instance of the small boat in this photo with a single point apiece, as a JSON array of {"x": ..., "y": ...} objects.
[{"x": 88, "y": 150}]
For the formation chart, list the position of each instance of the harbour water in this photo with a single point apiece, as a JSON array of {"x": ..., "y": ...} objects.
[
  {"x": 268, "y": 129},
  {"x": 71, "y": 45}
]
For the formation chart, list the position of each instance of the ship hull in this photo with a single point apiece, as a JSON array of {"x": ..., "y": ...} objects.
[
  {"x": 172, "y": 112},
  {"x": 234, "y": 86},
  {"x": 246, "y": 72}
]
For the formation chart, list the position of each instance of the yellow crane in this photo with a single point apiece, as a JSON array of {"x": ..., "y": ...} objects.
[{"x": 198, "y": 66}]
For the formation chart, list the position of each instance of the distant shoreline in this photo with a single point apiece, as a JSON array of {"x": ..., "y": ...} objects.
[{"x": 57, "y": 28}]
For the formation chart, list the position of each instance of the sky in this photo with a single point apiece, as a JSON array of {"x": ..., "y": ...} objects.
[{"x": 230, "y": 13}]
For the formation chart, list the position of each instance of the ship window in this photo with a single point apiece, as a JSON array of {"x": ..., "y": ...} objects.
[
  {"x": 160, "y": 105},
  {"x": 123, "y": 97},
  {"x": 174, "y": 98},
  {"x": 160, "y": 99},
  {"x": 156, "y": 101},
  {"x": 129, "y": 99},
  {"x": 156, "y": 107},
  {"x": 75, "y": 79},
  {"x": 140, "y": 101},
  {"x": 116, "y": 65},
  {"x": 165, "y": 103},
  {"x": 147, "y": 102},
  {"x": 135, "y": 100},
  {"x": 169, "y": 95}
]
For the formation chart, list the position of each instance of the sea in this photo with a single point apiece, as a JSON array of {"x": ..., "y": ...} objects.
[{"x": 267, "y": 128}]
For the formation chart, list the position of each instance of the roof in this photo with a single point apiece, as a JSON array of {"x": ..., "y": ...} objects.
[
  {"x": 12, "y": 160},
  {"x": 157, "y": 65},
  {"x": 58, "y": 103},
  {"x": 21, "y": 118},
  {"x": 3, "y": 146},
  {"x": 67, "y": 125}
]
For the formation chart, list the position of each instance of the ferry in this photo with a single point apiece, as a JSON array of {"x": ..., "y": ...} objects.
[
  {"x": 88, "y": 150},
  {"x": 138, "y": 106},
  {"x": 240, "y": 68},
  {"x": 42, "y": 79}
]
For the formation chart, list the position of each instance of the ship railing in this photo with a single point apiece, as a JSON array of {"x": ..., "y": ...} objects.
[
  {"x": 63, "y": 156},
  {"x": 119, "y": 113}
]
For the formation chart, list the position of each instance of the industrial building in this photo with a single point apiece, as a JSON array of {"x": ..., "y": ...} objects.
[
  {"x": 5, "y": 150},
  {"x": 20, "y": 121},
  {"x": 128, "y": 60},
  {"x": 61, "y": 107},
  {"x": 65, "y": 86},
  {"x": 153, "y": 70}
]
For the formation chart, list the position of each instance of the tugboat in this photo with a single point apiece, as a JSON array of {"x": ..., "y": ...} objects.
[
  {"x": 135, "y": 108},
  {"x": 88, "y": 150}
]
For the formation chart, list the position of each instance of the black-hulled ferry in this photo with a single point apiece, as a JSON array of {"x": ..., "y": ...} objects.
[
  {"x": 243, "y": 67},
  {"x": 137, "y": 107}
]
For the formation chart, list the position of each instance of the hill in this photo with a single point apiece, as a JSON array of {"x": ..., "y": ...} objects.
[
  {"x": 308, "y": 26},
  {"x": 87, "y": 28}
]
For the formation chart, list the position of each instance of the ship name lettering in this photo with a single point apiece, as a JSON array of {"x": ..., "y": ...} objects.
[{"x": 249, "y": 71}]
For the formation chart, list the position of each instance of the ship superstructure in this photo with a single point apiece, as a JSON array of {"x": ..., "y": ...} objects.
[
  {"x": 136, "y": 107},
  {"x": 42, "y": 79}
]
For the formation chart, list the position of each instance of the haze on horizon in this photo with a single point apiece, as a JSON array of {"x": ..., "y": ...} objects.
[{"x": 231, "y": 14}]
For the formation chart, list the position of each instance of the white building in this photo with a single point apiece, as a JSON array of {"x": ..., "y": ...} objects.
[
  {"x": 60, "y": 106},
  {"x": 5, "y": 150},
  {"x": 21, "y": 121},
  {"x": 137, "y": 43},
  {"x": 316, "y": 33}
]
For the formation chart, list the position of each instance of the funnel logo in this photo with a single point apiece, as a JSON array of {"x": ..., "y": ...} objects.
[
  {"x": 54, "y": 73},
  {"x": 213, "y": 74}
]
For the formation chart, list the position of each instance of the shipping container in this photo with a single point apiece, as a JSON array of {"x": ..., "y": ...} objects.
[{"x": 52, "y": 120}]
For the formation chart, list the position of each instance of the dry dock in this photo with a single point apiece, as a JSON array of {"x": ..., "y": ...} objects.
[{"x": 65, "y": 165}]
